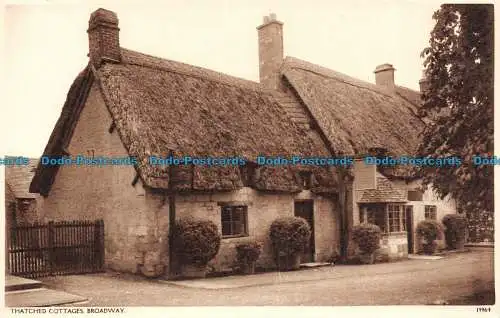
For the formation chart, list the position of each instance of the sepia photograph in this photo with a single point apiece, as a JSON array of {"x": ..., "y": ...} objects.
[{"x": 326, "y": 154}]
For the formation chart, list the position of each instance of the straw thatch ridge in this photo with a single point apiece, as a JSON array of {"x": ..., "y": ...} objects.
[
  {"x": 161, "y": 108},
  {"x": 355, "y": 115}
]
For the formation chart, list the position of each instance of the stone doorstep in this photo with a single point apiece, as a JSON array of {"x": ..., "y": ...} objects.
[
  {"x": 13, "y": 283},
  {"x": 315, "y": 264},
  {"x": 446, "y": 252},
  {"x": 427, "y": 257},
  {"x": 482, "y": 244}
]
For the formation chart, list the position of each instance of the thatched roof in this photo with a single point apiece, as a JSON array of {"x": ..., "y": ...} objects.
[
  {"x": 162, "y": 107},
  {"x": 355, "y": 115},
  {"x": 18, "y": 178}
]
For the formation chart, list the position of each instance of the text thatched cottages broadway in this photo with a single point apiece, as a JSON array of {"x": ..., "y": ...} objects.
[{"x": 126, "y": 103}]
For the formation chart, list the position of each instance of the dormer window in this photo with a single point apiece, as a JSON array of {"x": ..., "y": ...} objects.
[
  {"x": 378, "y": 151},
  {"x": 247, "y": 172},
  {"x": 306, "y": 179}
]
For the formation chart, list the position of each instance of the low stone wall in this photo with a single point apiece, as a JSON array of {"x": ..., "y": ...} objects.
[{"x": 393, "y": 247}]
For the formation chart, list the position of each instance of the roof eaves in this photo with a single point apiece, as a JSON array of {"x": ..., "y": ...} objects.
[{"x": 63, "y": 131}]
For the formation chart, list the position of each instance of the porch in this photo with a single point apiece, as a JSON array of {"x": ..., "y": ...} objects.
[{"x": 395, "y": 220}]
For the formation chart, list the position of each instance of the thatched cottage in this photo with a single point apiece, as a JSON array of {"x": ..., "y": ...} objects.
[{"x": 129, "y": 104}]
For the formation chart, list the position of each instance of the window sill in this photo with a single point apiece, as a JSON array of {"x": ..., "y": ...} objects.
[
  {"x": 234, "y": 236},
  {"x": 394, "y": 233}
]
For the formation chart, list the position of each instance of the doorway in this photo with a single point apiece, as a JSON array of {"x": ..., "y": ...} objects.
[{"x": 305, "y": 209}]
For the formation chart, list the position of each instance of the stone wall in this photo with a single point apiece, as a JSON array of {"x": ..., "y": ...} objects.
[
  {"x": 26, "y": 211},
  {"x": 263, "y": 209},
  {"x": 135, "y": 221},
  {"x": 393, "y": 247}
]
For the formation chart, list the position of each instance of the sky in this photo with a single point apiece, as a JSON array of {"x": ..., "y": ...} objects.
[{"x": 46, "y": 46}]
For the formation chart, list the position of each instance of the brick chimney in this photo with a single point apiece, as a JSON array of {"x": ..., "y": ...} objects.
[
  {"x": 384, "y": 75},
  {"x": 104, "y": 40},
  {"x": 270, "y": 51}
]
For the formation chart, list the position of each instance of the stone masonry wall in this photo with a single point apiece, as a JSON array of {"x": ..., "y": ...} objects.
[
  {"x": 90, "y": 192},
  {"x": 263, "y": 209},
  {"x": 393, "y": 247}
]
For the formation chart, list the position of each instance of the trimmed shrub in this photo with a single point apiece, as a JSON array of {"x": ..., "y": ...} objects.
[
  {"x": 289, "y": 235},
  {"x": 196, "y": 242},
  {"x": 455, "y": 230},
  {"x": 367, "y": 237},
  {"x": 248, "y": 252},
  {"x": 429, "y": 231}
]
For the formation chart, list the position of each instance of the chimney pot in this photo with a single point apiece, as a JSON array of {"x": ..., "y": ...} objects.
[
  {"x": 423, "y": 83},
  {"x": 104, "y": 41},
  {"x": 384, "y": 75},
  {"x": 272, "y": 16}
]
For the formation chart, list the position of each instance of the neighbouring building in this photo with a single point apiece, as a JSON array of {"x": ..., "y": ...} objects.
[
  {"x": 21, "y": 206},
  {"x": 129, "y": 104}
]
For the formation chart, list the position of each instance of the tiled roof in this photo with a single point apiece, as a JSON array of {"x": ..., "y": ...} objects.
[
  {"x": 384, "y": 192},
  {"x": 18, "y": 178}
]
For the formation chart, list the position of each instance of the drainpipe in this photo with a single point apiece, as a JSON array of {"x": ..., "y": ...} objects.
[
  {"x": 343, "y": 217},
  {"x": 171, "y": 223},
  {"x": 171, "y": 220}
]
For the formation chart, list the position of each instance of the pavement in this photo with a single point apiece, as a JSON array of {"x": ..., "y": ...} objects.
[
  {"x": 23, "y": 292},
  {"x": 13, "y": 283},
  {"x": 409, "y": 282},
  {"x": 41, "y": 297}
]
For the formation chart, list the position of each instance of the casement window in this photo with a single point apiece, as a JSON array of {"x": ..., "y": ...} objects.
[
  {"x": 374, "y": 215},
  {"x": 234, "y": 221},
  {"x": 396, "y": 218},
  {"x": 430, "y": 212},
  {"x": 390, "y": 218}
]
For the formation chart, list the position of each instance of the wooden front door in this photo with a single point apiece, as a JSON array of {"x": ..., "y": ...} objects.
[
  {"x": 304, "y": 209},
  {"x": 409, "y": 227}
]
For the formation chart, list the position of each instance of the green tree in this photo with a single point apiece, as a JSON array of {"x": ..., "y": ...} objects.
[{"x": 458, "y": 103}]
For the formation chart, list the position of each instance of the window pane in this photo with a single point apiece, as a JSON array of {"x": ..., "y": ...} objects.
[
  {"x": 226, "y": 228},
  {"x": 238, "y": 228},
  {"x": 379, "y": 219},
  {"x": 395, "y": 217},
  {"x": 430, "y": 212},
  {"x": 233, "y": 220},
  {"x": 226, "y": 214}
]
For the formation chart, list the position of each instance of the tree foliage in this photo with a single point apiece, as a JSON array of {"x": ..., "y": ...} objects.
[{"x": 458, "y": 103}]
